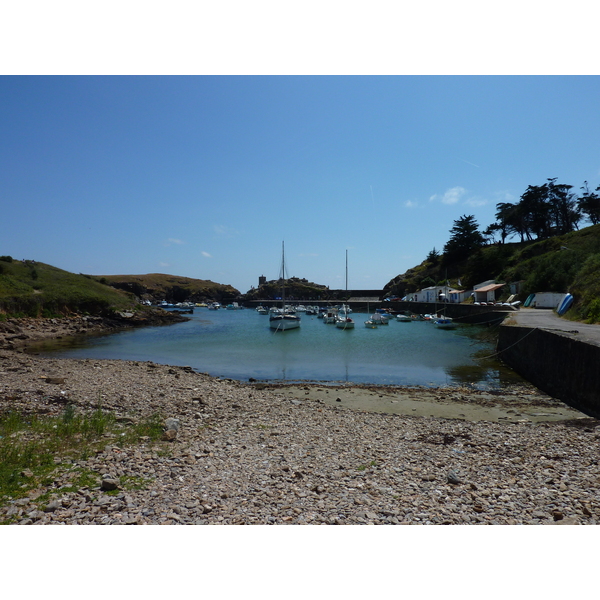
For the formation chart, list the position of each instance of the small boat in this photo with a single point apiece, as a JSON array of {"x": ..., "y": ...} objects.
[
  {"x": 444, "y": 323},
  {"x": 283, "y": 319},
  {"x": 330, "y": 316},
  {"x": 345, "y": 322},
  {"x": 370, "y": 324},
  {"x": 379, "y": 319},
  {"x": 403, "y": 318},
  {"x": 261, "y": 310}
]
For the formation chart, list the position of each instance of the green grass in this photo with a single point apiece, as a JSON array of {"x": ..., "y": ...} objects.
[
  {"x": 29, "y": 445},
  {"x": 373, "y": 463},
  {"x": 37, "y": 289}
]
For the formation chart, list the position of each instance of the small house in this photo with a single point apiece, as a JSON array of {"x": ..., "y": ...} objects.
[{"x": 488, "y": 291}]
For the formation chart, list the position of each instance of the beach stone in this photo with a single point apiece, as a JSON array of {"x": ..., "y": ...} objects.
[
  {"x": 169, "y": 435},
  {"x": 108, "y": 485},
  {"x": 172, "y": 423},
  {"x": 453, "y": 477},
  {"x": 52, "y": 506}
]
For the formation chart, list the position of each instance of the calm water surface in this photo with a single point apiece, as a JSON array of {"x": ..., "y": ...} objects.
[{"x": 239, "y": 344}]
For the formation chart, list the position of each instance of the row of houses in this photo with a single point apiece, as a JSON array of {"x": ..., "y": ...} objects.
[{"x": 488, "y": 291}]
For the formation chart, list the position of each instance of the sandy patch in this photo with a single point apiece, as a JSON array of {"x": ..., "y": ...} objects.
[{"x": 520, "y": 405}]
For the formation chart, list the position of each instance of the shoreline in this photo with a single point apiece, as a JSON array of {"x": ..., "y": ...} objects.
[{"x": 255, "y": 453}]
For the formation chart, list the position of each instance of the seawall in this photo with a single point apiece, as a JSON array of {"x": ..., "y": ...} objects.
[{"x": 556, "y": 362}]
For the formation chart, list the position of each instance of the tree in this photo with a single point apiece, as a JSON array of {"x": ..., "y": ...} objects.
[
  {"x": 535, "y": 208},
  {"x": 588, "y": 204},
  {"x": 433, "y": 256},
  {"x": 465, "y": 238},
  {"x": 565, "y": 213}
]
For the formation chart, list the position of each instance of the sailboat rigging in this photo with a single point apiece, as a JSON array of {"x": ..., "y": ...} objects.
[
  {"x": 344, "y": 321},
  {"x": 282, "y": 319}
]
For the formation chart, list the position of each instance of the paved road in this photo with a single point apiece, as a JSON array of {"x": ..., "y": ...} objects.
[{"x": 546, "y": 318}]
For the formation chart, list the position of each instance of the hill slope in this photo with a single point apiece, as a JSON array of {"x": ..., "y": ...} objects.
[
  {"x": 158, "y": 286},
  {"x": 34, "y": 289},
  {"x": 570, "y": 262}
]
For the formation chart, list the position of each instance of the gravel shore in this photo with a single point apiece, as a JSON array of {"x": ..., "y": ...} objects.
[{"x": 248, "y": 453}]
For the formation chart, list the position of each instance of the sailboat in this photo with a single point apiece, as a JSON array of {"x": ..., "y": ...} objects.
[
  {"x": 282, "y": 320},
  {"x": 344, "y": 321},
  {"x": 442, "y": 321}
]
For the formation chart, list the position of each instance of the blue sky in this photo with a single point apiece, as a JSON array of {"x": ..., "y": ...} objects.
[{"x": 205, "y": 176}]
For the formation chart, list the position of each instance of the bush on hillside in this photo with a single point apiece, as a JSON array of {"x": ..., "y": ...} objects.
[{"x": 586, "y": 289}]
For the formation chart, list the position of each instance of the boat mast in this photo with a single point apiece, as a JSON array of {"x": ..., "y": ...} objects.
[
  {"x": 346, "y": 270},
  {"x": 283, "y": 275}
]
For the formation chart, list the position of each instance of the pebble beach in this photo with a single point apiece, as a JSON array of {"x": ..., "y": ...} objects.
[{"x": 242, "y": 453}]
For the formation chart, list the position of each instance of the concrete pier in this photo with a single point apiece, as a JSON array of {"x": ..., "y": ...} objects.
[{"x": 560, "y": 357}]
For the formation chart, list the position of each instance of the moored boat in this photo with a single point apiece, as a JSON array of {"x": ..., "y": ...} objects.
[
  {"x": 330, "y": 316},
  {"x": 283, "y": 319},
  {"x": 344, "y": 322},
  {"x": 444, "y": 323}
]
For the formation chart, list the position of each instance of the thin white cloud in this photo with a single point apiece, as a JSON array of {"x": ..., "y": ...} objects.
[
  {"x": 433, "y": 198},
  {"x": 223, "y": 231},
  {"x": 453, "y": 195},
  {"x": 411, "y": 204},
  {"x": 504, "y": 196},
  {"x": 475, "y": 201},
  {"x": 163, "y": 264},
  {"x": 173, "y": 241},
  {"x": 206, "y": 254},
  {"x": 470, "y": 163}
]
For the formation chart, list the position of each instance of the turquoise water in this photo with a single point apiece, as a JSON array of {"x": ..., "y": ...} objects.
[{"x": 240, "y": 345}]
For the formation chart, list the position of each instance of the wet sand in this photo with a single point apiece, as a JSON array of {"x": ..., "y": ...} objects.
[{"x": 518, "y": 405}]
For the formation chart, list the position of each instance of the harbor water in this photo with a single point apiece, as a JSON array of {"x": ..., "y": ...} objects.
[{"x": 239, "y": 344}]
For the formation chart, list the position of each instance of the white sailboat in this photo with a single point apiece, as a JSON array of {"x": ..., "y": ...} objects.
[
  {"x": 344, "y": 321},
  {"x": 282, "y": 320}
]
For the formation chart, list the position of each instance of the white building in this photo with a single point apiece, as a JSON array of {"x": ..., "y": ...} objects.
[
  {"x": 438, "y": 293},
  {"x": 486, "y": 291}
]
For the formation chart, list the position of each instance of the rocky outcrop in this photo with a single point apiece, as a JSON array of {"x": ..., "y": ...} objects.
[{"x": 16, "y": 333}]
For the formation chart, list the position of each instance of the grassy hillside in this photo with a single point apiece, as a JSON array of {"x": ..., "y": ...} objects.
[
  {"x": 36, "y": 289},
  {"x": 157, "y": 287},
  {"x": 564, "y": 263}
]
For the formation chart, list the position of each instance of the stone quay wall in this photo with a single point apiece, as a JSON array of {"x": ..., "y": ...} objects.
[{"x": 555, "y": 362}]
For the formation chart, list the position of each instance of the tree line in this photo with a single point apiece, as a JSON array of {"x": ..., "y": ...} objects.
[{"x": 542, "y": 211}]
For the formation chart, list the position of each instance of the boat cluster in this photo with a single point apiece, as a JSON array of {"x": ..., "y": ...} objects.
[
  {"x": 383, "y": 317},
  {"x": 287, "y": 318}
]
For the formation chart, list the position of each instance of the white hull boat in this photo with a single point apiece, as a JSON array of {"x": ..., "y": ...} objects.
[
  {"x": 345, "y": 323},
  {"x": 282, "y": 320}
]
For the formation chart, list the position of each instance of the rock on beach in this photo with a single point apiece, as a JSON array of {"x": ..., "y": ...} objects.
[{"x": 246, "y": 454}]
